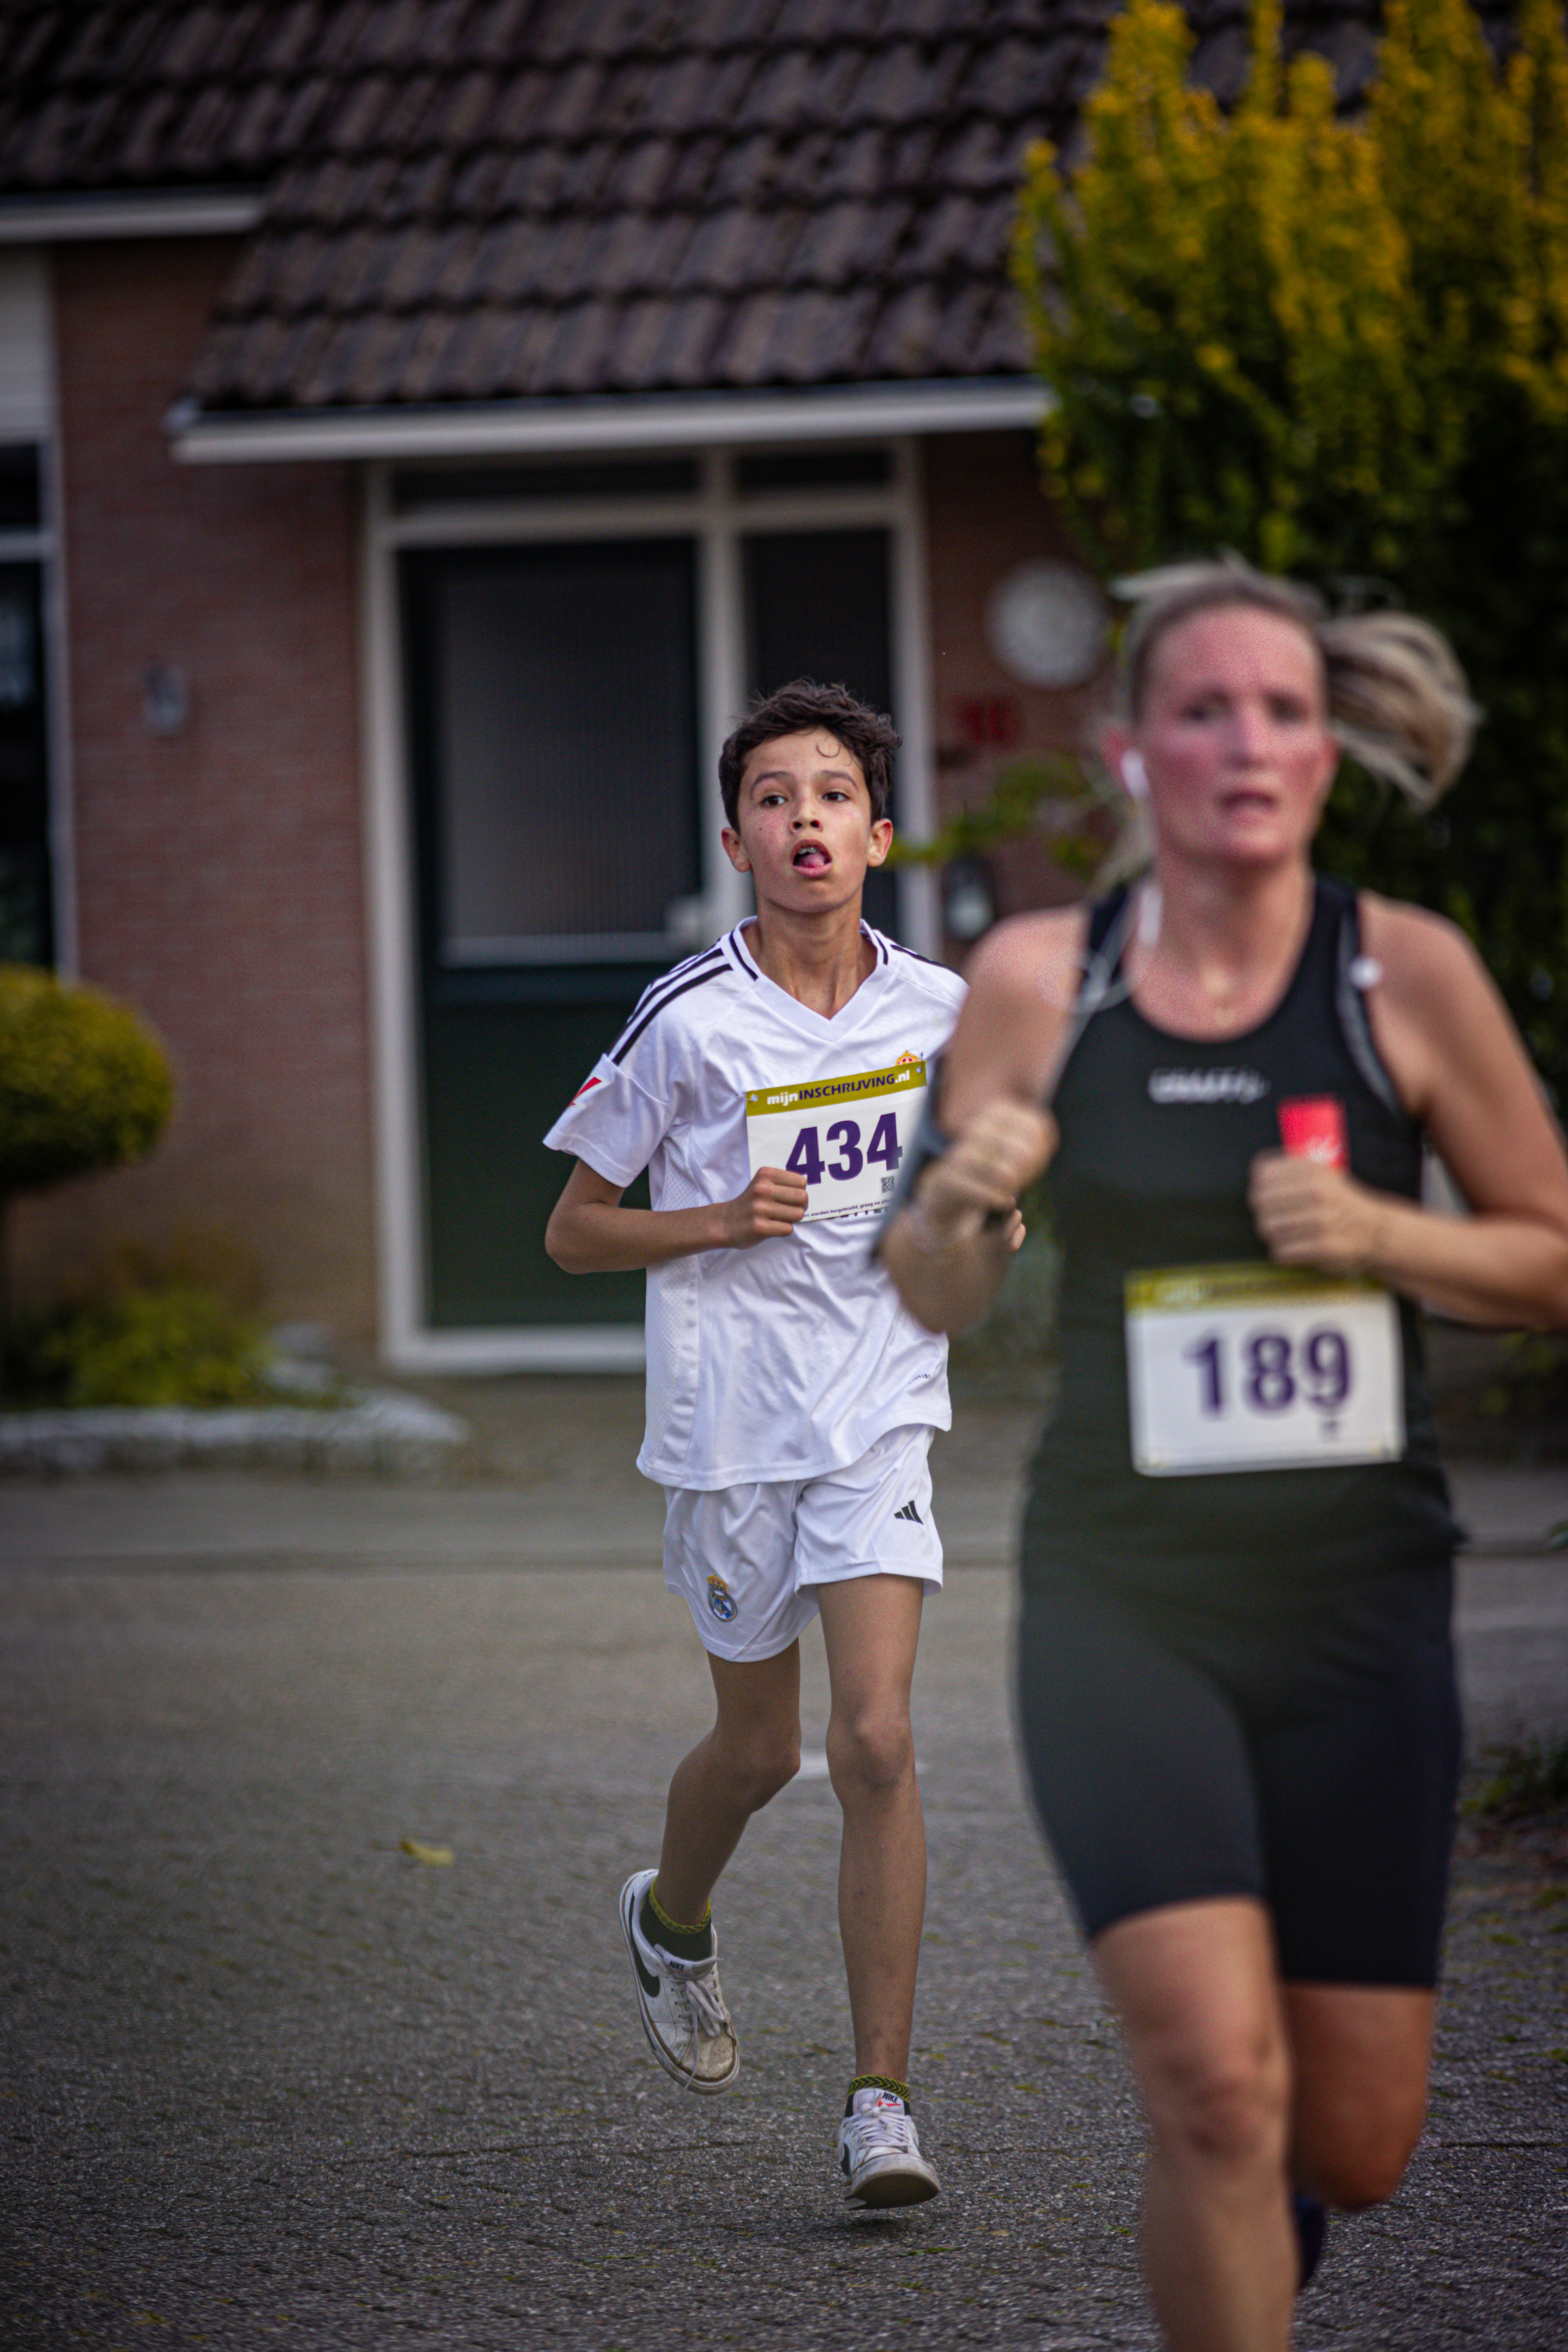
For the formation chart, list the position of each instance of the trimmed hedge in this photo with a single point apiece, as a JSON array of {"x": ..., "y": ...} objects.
[{"x": 84, "y": 1083}]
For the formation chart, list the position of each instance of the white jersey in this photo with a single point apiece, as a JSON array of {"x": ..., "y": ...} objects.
[{"x": 792, "y": 1357}]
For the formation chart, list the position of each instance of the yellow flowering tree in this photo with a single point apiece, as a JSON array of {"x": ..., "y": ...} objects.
[{"x": 1340, "y": 346}]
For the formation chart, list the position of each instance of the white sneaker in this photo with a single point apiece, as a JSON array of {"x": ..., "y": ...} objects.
[
  {"x": 879, "y": 2152},
  {"x": 683, "y": 2012}
]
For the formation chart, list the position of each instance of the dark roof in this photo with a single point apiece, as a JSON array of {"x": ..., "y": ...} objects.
[{"x": 480, "y": 200}]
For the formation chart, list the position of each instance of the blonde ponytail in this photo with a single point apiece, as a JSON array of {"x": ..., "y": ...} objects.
[{"x": 1397, "y": 700}]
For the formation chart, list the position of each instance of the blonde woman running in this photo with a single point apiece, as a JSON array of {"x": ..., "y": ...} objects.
[{"x": 1237, "y": 1685}]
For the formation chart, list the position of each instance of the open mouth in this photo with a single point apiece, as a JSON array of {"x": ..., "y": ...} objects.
[{"x": 810, "y": 859}]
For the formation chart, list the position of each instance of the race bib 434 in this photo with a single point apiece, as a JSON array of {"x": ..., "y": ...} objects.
[
  {"x": 845, "y": 1136},
  {"x": 1260, "y": 1368}
]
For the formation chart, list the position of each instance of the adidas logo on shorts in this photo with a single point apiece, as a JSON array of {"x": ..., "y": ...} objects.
[{"x": 909, "y": 1512}]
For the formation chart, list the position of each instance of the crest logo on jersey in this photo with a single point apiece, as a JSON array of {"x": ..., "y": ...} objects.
[
  {"x": 721, "y": 1600},
  {"x": 907, "y": 1056}
]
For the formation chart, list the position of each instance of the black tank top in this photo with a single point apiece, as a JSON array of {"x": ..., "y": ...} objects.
[{"x": 1158, "y": 1133}]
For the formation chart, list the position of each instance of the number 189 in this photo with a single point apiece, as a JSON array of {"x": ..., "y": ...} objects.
[{"x": 1276, "y": 1373}]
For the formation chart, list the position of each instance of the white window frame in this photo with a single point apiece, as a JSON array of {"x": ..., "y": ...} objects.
[{"x": 717, "y": 514}]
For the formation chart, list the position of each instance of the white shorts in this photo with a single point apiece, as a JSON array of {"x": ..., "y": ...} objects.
[{"x": 746, "y": 1558}]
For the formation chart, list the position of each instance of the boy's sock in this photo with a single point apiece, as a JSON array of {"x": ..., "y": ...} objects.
[
  {"x": 671, "y": 1936},
  {"x": 877, "y": 2082}
]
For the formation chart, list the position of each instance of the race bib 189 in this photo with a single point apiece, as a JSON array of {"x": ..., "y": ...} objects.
[
  {"x": 845, "y": 1136},
  {"x": 1260, "y": 1368}
]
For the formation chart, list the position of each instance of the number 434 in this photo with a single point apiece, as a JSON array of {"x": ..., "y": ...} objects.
[{"x": 884, "y": 1149}]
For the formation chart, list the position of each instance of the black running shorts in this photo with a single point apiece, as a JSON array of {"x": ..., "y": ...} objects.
[{"x": 1307, "y": 1756}]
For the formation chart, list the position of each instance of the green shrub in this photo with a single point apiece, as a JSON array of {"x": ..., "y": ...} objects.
[
  {"x": 176, "y": 1345},
  {"x": 84, "y": 1083}
]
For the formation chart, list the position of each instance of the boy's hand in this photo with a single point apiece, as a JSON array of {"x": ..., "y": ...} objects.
[{"x": 773, "y": 1202}]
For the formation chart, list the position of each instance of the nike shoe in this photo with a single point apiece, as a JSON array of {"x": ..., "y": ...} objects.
[
  {"x": 683, "y": 2012},
  {"x": 879, "y": 2152}
]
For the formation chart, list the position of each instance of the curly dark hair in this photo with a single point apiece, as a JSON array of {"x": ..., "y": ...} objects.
[{"x": 795, "y": 709}]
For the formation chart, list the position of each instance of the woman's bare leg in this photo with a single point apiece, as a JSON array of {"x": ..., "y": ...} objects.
[{"x": 1196, "y": 1988}]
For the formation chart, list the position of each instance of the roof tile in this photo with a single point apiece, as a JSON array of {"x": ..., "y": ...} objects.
[
  {"x": 498, "y": 33},
  {"x": 204, "y": 140},
  {"x": 146, "y": 135},
  {"x": 310, "y": 105},
  {"x": 641, "y": 176},
  {"x": 720, "y": 25},
  {"x": 701, "y": 93},
  {"x": 792, "y": 86},
  {"x": 583, "y": 172},
  {"x": 254, "y": 277},
  {"x": 583, "y": 338},
  {"x": 980, "y": 159},
  {"x": 461, "y": 110},
  {"x": 369, "y": 359},
  {"x": 844, "y": 242},
  {"x": 696, "y": 170},
  {"x": 819, "y": 22},
  {"x": 743, "y": 340},
  {"x": 253, "y": 134},
  {"x": 343, "y": 27},
  {"x": 284, "y": 39},
  {"x": 472, "y": 360},
  {"x": 477, "y": 181},
  {"x": 746, "y": 171},
  {"x": 568, "y": 104},
  {"x": 422, "y": 356},
  {"x": 690, "y": 334},
  {"x": 517, "y": 109},
  {"x": 901, "y": 342},
  {"x": 728, "y": 251},
  {"x": 638, "y": 337},
  {"x": 1003, "y": 348}
]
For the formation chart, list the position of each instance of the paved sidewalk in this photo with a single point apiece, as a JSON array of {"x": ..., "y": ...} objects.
[{"x": 270, "y": 2080}]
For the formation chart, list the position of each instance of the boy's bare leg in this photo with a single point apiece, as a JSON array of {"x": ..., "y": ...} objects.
[
  {"x": 752, "y": 1751},
  {"x": 871, "y": 1628}
]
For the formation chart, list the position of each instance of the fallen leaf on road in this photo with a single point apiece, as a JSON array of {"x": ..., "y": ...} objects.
[{"x": 433, "y": 1854}]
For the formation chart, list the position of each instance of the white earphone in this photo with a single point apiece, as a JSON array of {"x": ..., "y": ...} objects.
[{"x": 1135, "y": 775}]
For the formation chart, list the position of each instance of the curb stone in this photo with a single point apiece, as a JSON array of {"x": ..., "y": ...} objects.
[{"x": 393, "y": 1435}]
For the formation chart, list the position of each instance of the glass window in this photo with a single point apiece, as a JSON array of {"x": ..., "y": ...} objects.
[
  {"x": 21, "y": 500},
  {"x": 26, "y": 928},
  {"x": 556, "y": 709},
  {"x": 865, "y": 465},
  {"x": 545, "y": 477}
]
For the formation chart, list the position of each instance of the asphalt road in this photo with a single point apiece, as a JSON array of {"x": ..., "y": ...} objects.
[{"x": 270, "y": 2080}]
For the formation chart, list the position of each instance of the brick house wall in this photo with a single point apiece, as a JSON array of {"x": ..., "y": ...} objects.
[
  {"x": 986, "y": 512},
  {"x": 219, "y": 882}
]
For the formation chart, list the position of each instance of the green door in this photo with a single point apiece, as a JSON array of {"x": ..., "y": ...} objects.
[{"x": 552, "y": 727}]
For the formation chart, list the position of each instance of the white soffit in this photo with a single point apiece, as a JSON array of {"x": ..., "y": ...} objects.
[
  {"x": 688, "y": 420},
  {"x": 194, "y": 211}
]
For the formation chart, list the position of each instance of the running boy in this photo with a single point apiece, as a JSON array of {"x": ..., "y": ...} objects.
[{"x": 770, "y": 1086}]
